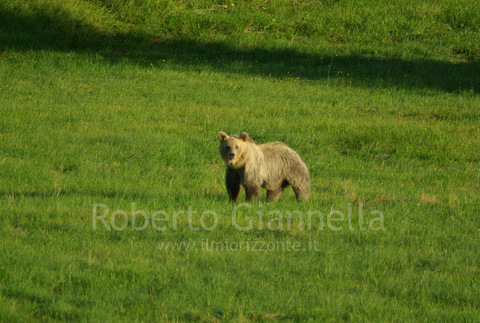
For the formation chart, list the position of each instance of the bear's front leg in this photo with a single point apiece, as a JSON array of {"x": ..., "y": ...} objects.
[
  {"x": 251, "y": 192},
  {"x": 233, "y": 182},
  {"x": 274, "y": 195}
]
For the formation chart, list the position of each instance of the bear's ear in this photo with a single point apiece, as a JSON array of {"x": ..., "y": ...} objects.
[
  {"x": 244, "y": 136},
  {"x": 222, "y": 136}
]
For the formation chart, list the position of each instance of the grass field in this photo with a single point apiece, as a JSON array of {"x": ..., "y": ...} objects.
[{"x": 111, "y": 109}]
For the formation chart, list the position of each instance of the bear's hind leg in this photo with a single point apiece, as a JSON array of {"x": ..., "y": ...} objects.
[{"x": 302, "y": 190}]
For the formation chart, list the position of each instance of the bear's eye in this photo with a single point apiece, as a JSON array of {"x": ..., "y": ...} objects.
[{"x": 236, "y": 147}]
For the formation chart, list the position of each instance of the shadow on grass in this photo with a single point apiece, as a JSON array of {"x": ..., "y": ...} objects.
[{"x": 60, "y": 32}]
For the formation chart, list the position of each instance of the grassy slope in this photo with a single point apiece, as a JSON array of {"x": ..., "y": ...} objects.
[{"x": 120, "y": 102}]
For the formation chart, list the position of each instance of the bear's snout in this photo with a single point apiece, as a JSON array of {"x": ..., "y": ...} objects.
[{"x": 231, "y": 156}]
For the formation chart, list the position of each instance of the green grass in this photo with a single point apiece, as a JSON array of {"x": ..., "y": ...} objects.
[{"x": 120, "y": 103}]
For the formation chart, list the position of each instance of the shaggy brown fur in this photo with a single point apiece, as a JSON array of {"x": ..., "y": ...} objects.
[{"x": 273, "y": 166}]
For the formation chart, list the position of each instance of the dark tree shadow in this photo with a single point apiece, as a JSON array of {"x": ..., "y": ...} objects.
[{"x": 62, "y": 33}]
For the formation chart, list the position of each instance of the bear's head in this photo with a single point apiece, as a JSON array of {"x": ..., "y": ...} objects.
[{"x": 233, "y": 149}]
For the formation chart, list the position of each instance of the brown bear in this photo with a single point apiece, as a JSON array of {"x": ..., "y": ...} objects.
[{"x": 273, "y": 166}]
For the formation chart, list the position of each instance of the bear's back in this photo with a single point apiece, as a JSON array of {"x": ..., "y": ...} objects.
[{"x": 277, "y": 150}]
